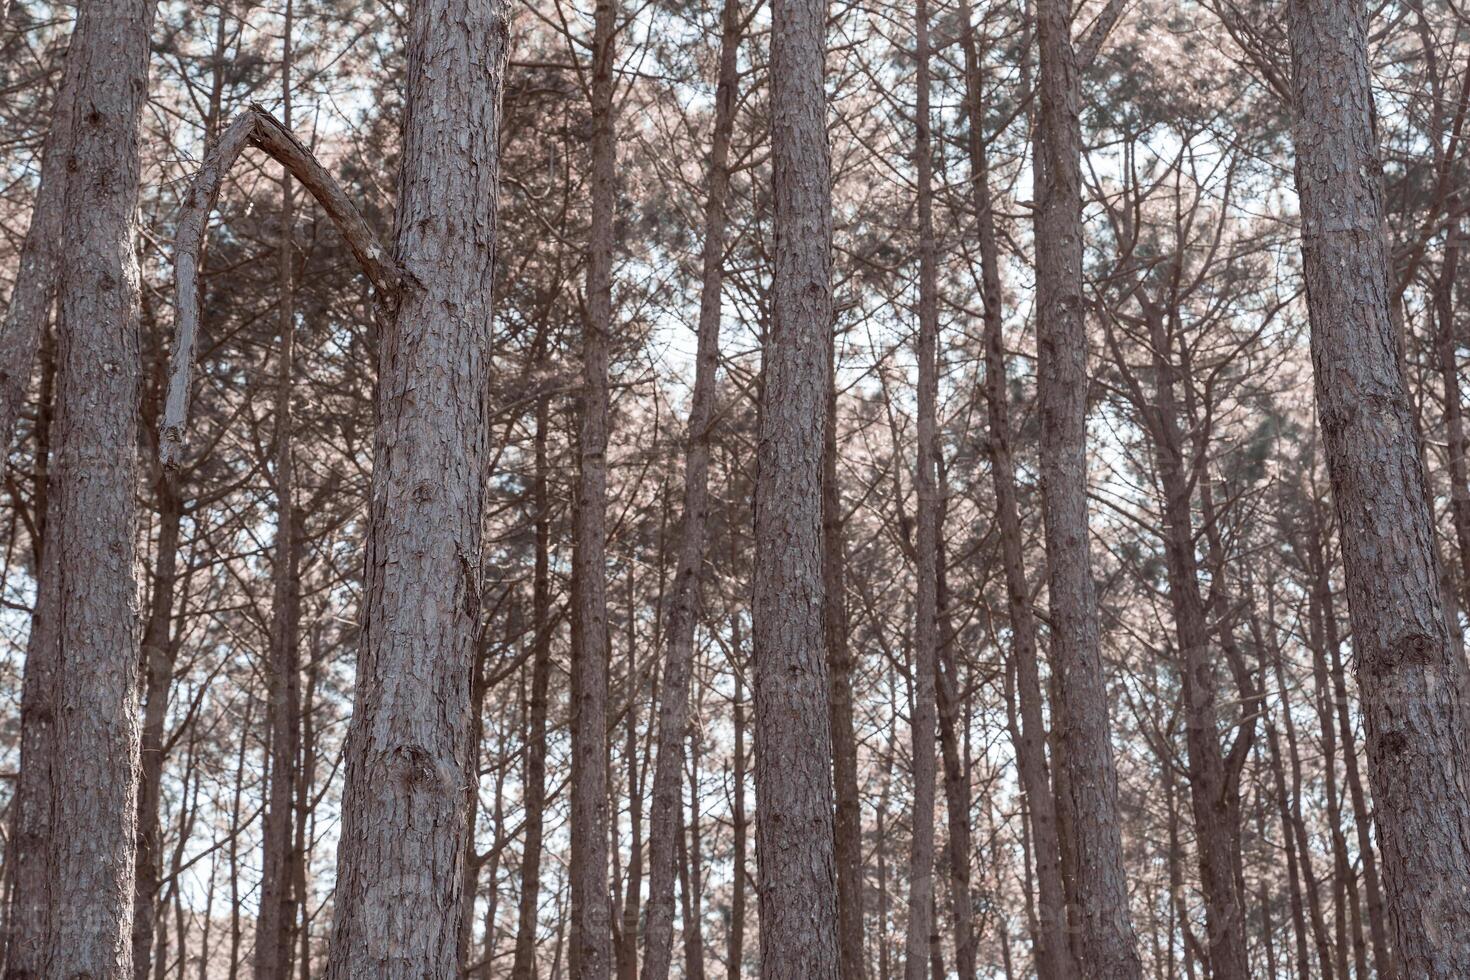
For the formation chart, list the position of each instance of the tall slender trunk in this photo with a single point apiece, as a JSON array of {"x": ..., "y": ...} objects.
[
  {"x": 848, "y": 819},
  {"x": 1106, "y": 939},
  {"x": 400, "y": 861},
  {"x": 523, "y": 964},
  {"x": 1411, "y": 675},
  {"x": 691, "y": 878},
  {"x": 591, "y": 950},
  {"x": 1456, "y": 436},
  {"x": 735, "y": 947},
  {"x": 954, "y": 718},
  {"x": 85, "y": 756},
  {"x": 1383, "y": 961},
  {"x": 278, "y": 901},
  {"x": 1053, "y": 956},
  {"x": 794, "y": 811},
  {"x": 926, "y": 631},
  {"x": 674, "y": 707}
]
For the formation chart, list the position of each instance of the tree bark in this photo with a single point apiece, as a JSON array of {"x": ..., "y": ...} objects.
[
  {"x": 926, "y": 631},
  {"x": 400, "y": 861},
  {"x": 794, "y": 811},
  {"x": 674, "y": 707},
  {"x": 1106, "y": 940},
  {"x": 1411, "y": 676},
  {"x": 85, "y": 627},
  {"x": 591, "y": 951}
]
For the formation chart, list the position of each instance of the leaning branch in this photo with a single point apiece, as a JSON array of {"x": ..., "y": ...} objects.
[{"x": 258, "y": 128}]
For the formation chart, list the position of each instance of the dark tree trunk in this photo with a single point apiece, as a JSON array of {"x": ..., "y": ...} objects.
[
  {"x": 926, "y": 630},
  {"x": 523, "y": 964},
  {"x": 591, "y": 950},
  {"x": 1105, "y": 939},
  {"x": 80, "y": 754},
  {"x": 400, "y": 873},
  {"x": 794, "y": 812},
  {"x": 1412, "y": 677}
]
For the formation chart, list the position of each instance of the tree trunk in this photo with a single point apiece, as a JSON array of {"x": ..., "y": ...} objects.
[
  {"x": 400, "y": 861},
  {"x": 278, "y": 900},
  {"x": 926, "y": 631},
  {"x": 523, "y": 965},
  {"x": 848, "y": 820},
  {"x": 591, "y": 952},
  {"x": 81, "y": 762},
  {"x": 1211, "y": 790},
  {"x": 674, "y": 706},
  {"x": 794, "y": 811},
  {"x": 1106, "y": 938},
  {"x": 1053, "y": 957},
  {"x": 1411, "y": 676},
  {"x": 158, "y": 655}
]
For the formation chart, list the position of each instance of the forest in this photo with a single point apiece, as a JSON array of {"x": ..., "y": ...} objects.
[{"x": 797, "y": 489}]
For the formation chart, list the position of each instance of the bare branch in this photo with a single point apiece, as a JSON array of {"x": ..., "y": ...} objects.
[{"x": 258, "y": 128}]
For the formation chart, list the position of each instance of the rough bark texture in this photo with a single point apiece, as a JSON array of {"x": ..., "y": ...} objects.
[
  {"x": 79, "y": 921},
  {"x": 399, "y": 864},
  {"x": 794, "y": 819},
  {"x": 591, "y": 911},
  {"x": 1105, "y": 934},
  {"x": 926, "y": 629},
  {"x": 674, "y": 707},
  {"x": 1411, "y": 678}
]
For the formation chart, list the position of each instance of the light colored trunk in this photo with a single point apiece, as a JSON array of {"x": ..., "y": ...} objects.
[
  {"x": 1411, "y": 676},
  {"x": 400, "y": 874},
  {"x": 794, "y": 811}
]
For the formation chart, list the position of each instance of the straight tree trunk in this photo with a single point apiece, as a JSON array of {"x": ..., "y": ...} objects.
[
  {"x": 735, "y": 951},
  {"x": 591, "y": 950},
  {"x": 400, "y": 861},
  {"x": 1411, "y": 675},
  {"x": 1053, "y": 957},
  {"x": 158, "y": 653},
  {"x": 283, "y": 673},
  {"x": 1106, "y": 941},
  {"x": 953, "y": 717},
  {"x": 523, "y": 965},
  {"x": 794, "y": 799},
  {"x": 674, "y": 706},
  {"x": 1217, "y": 833},
  {"x": 926, "y": 631},
  {"x": 79, "y": 771},
  {"x": 848, "y": 820}
]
